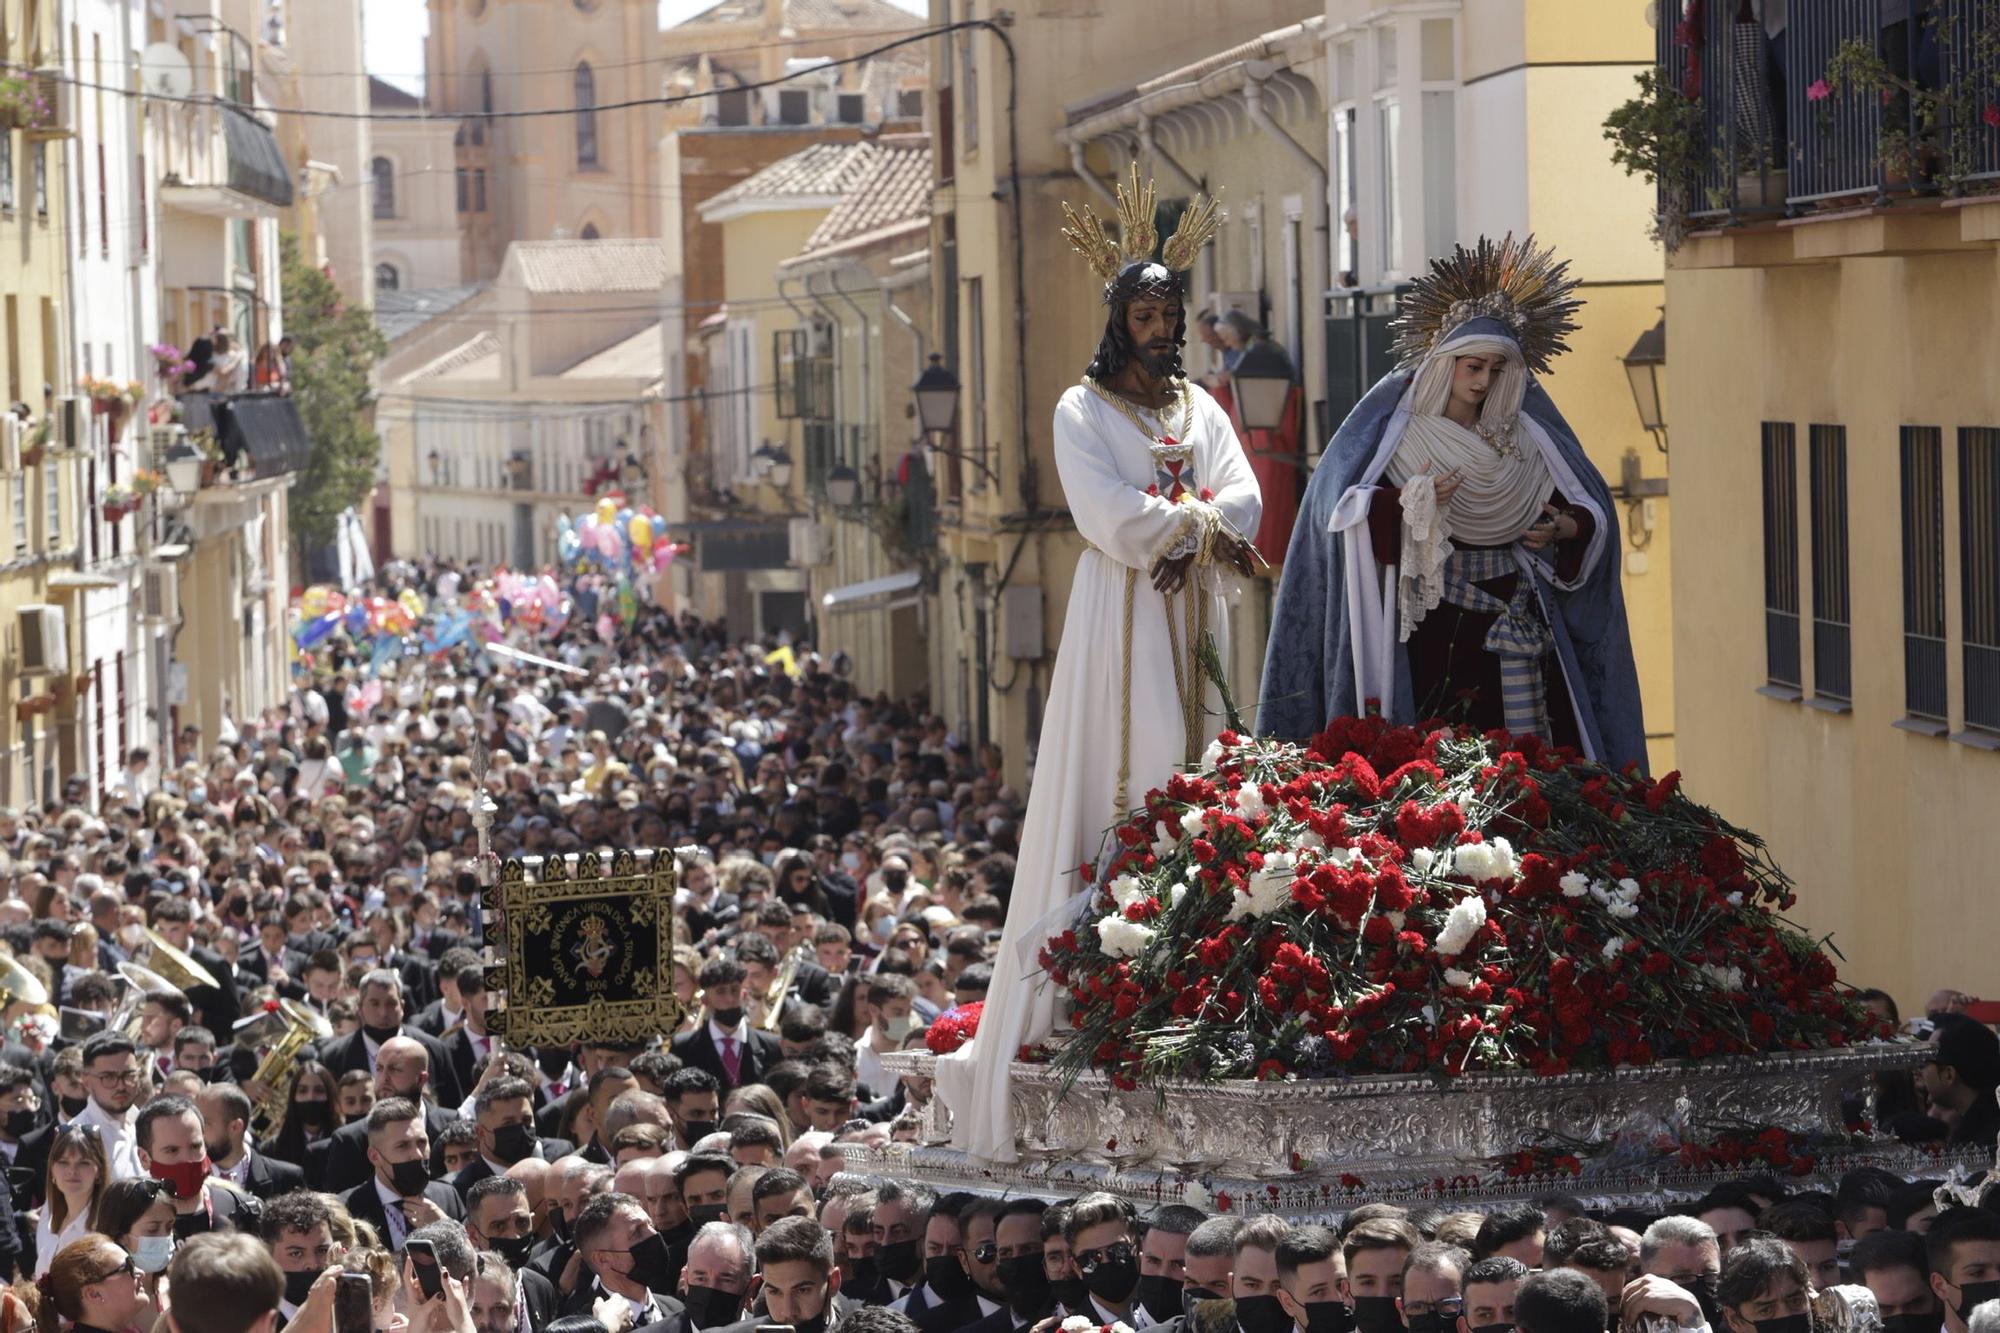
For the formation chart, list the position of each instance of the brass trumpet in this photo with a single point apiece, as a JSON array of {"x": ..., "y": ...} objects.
[
  {"x": 289, "y": 1028},
  {"x": 781, "y": 988}
]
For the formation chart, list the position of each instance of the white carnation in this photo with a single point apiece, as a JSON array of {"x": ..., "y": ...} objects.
[
  {"x": 1213, "y": 754},
  {"x": 1574, "y": 885},
  {"x": 1192, "y": 820},
  {"x": 1629, "y": 890},
  {"x": 1344, "y": 857},
  {"x": 1422, "y": 858},
  {"x": 1123, "y": 939},
  {"x": 1620, "y": 910},
  {"x": 1480, "y": 861},
  {"x": 1178, "y": 892},
  {"x": 1735, "y": 899},
  {"x": 1250, "y": 801},
  {"x": 1270, "y": 888},
  {"x": 1613, "y": 947},
  {"x": 1467, "y": 915},
  {"x": 1126, "y": 890},
  {"x": 1310, "y": 842},
  {"x": 1728, "y": 978},
  {"x": 1455, "y": 977}
]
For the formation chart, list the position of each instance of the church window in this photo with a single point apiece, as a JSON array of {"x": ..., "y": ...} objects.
[
  {"x": 383, "y": 172},
  {"x": 586, "y": 115}
]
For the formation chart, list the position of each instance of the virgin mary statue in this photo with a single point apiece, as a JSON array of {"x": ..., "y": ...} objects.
[{"x": 1456, "y": 556}]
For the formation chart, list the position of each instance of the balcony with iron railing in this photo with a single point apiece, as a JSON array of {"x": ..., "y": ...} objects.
[{"x": 1839, "y": 110}]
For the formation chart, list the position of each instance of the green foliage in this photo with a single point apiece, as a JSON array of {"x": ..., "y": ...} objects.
[
  {"x": 336, "y": 348},
  {"x": 1658, "y": 135}
]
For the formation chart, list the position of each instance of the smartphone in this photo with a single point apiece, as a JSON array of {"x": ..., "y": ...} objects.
[
  {"x": 423, "y": 1260},
  {"x": 1983, "y": 1011},
  {"x": 353, "y": 1304}
]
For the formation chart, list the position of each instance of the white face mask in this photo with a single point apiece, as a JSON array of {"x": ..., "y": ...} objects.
[
  {"x": 151, "y": 1254},
  {"x": 895, "y": 1029}
]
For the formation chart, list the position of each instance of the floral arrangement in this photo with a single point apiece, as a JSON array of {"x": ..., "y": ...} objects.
[
  {"x": 1389, "y": 900},
  {"x": 118, "y": 501},
  {"x": 954, "y": 1028},
  {"x": 1078, "y": 1324},
  {"x": 22, "y": 105},
  {"x": 170, "y": 361},
  {"x": 146, "y": 481}
]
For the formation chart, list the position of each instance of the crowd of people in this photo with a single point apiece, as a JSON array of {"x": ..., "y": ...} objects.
[{"x": 262, "y": 1092}]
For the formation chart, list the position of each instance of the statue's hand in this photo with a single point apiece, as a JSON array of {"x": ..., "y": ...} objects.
[{"x": 1170, "y": 574}]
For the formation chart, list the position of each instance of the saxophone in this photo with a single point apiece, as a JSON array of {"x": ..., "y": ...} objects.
[
  {"x": 296, "y": 1027},
  {"x": 781, "y": 988}
]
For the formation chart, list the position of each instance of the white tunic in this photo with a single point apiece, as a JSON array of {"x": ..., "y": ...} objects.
[{"x": 1106, "y": 464}]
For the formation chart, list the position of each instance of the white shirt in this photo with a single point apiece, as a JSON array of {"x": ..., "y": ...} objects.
[
  {"x": 392, "y": 1207},
  {"x": 120, "y": 1149},
  {"x": 373, "y": 1048},
  {"x": 47, "y": 1243},
  {"x": 1136, "y": 1320}
]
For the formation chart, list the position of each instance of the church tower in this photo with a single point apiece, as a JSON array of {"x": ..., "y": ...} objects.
[{"x": 585, "y": 172}]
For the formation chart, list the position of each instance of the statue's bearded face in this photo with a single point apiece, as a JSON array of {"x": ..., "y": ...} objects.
[{"x": 1152, "y": 323}]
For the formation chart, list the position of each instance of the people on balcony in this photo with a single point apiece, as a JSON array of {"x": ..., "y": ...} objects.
[{"x": 271, "y": 374}]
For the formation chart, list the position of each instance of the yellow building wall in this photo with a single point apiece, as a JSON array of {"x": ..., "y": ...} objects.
[
  {"x": 1888, "y": 834},
  {"x": 753, "y": 247}
]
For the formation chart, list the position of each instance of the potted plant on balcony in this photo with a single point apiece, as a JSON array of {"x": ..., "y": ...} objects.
[
  {"x": 118, "y": 501},
  {"x": 1936, "y": 139},
  {"x": 22, "y": 106},
  {"x": 1658, "y": 135},
  {"x": 146, "y": 481}
]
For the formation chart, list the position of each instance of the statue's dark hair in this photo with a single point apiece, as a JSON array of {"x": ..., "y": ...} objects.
[{"x": 1115, "y": 350}]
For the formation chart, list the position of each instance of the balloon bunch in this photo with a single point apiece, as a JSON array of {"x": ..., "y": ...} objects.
[
  {"x": 532, "y": 602},
  {"x": 616, "y": 540}
]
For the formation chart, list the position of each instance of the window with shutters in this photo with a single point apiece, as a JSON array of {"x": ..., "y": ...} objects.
[
  {"x": 1924, "y": 696},
  {"x": 1833, "y": 668},
  {"x": 1979, "y": 573},
  {"x": 1781, "y": 555}
]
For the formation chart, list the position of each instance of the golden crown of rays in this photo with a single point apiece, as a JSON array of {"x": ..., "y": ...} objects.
[
  {"x": 1523, "y": 287},
  {"x": 1137, "y": 234}
]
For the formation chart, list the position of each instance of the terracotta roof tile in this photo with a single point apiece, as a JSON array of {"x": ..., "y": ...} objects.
[
  {"x": 554, "y": 268},
  {"x": 894, "y": 188},
  {"x": 820, "y": 171}
]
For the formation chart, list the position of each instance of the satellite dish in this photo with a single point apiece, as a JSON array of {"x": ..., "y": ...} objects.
[{"x": 164, "y": 71}]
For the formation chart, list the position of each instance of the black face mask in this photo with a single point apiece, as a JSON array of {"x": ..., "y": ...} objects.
[
  {"x": 696, "y": 1131},
  {"x": 1791, "y": 1323},
  {"x": 298, "y": 1286},
  {"x": 653, "y": 1264},
  {"x": 864, "y": 1275},
  {"x": 701, "y": 1214},
  {"x": 1429, "y": 1323},
  {"x": 728, "y": 1018},
  {"x": 709, "y": 1308},
  {"x": 1376, "y": 1314},
  {"x": 379, "y": 1035},
  {"x": 1971, "y": 1295},
  {"x": 1261, "y": 1314},
  {"x": 1329, "y": 1317},
  {"x": 1903, "y": 1323},
  {"x": 559, "y": 1225},
  {"x": 1160, "y": 1297},
  {"x": 1072, "y": 1292},
  {"x": 1026, "y": 1283},
  {"x": 816, "y": 1324},
  {"x": 899, "y": 1260},
  {"x": 514, "y": 1249},
  {"x": 192, "y": 1224},
  {"x": 946, "y": 1277},
  {"x": 1497, "y": 1328},
  {"x": 895, "y": 879},
  {"x": 513, "y": 1143},
  {"x": 20, "y": 1123},
  {"x": 72, "y": 1107},
  {"x": 1115, "y": 1277},
  {"x": 1704, "y": 1288},
  {"x": 408, "y": 1178}
]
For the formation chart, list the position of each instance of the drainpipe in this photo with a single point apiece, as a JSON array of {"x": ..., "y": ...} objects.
[{"x": 1097, "y": 187}]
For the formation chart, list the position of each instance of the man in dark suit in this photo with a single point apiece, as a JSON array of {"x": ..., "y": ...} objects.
[
  {"x": 468, "y": 1045},
  {"x": 402, "y": 1069},
  {"x": 219, "y": 1006},
  {"x": 726, "y": 1045},
  {"x": 1018, "y": 1270},
  {"x": 382, "y": 1021},
  {"x": 709, "y": 908},
  {"x": 399, "y": 1196},
  {"x": 448, "y": 1010},
  {"x": 800, "y": 1284},
  {"x": 225, "y": 1127},
  {"x": 498, "y": 1222},
  {"x": 273, "y": 962},
  {"x": 504, "y": 1112},
  {"x": 626, "y": 1258}
]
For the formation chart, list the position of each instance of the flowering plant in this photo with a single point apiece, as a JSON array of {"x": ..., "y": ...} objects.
[
  {"x": 169, "y": 361},
  {"x": 145, "y": 481},
  {"x": 1392, "y": 900},
  {"x": 954, "y": 1028},
  {"x": 22, "y": 105}
]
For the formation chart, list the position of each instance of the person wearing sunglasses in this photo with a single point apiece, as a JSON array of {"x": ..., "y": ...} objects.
[
  {"x": 96, "y": 1286},
  {"x": 1099, "y": 1232}
]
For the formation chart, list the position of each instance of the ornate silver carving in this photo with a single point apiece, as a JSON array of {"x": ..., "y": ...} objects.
[{"x": 1299, "y": 1147}]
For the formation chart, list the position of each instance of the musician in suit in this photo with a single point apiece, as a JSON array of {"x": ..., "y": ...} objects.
[
  {"x": 225, "y": 1124},
  {"x": 448, "y": 1010},
  {"x": 382, "y": 1021},
  {"x": 402, "y": 1070},
  {"x": 726, "y": 1045},
  {"x": 627, "y": 1258},
  {"x": 499, "y": 1223},
  {"x": 219, "y": 1006},
  {"x": 801, "y": 1285},
  {"x": 399, "y": 1195}
]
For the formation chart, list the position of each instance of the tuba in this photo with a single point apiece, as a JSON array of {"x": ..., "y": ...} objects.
[
  {"x": 288, "y": 1027},
  {"x": 177, "y": 969},
  {"x": 781, "y": 988},
  {"x": 19, "y": 986},
  {"x": 139, "y": 983}
]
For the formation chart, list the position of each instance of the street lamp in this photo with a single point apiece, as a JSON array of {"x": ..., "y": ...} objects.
[
  {"x": 1646, "y": 368},
  {"x": 937, "y": 392},
  {"x": 843, "y": 486},
  {"x": 183, "y": 467},
  {"x": 1262, "y": 385}
]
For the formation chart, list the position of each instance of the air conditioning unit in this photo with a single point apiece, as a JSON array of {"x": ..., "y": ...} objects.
[
  {"x": 58, "y": 94},
  {"x": 160, "y": 594},
  {"x": 163, "y": 439},
  {"x": 44, "y": 641},
  {"x": 809, "y": 543}
]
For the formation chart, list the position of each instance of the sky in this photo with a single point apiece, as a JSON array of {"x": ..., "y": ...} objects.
[{"x": 395, "y": 34}]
